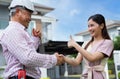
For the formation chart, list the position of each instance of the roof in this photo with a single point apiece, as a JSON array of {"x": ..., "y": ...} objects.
[
  {"x": 5, "y": 2},
  {"x": 110, "y": 24},
  {"x": 59, "y": 46},
  {"x": 41, "y": 9}
]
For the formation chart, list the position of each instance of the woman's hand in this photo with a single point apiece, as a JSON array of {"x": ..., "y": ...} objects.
[
  {"x": 71, "y": 42},
  {"x": 60, "y": 58}
]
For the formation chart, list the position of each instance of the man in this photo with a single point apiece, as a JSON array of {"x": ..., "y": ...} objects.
[{"x": 18, "y": 47}]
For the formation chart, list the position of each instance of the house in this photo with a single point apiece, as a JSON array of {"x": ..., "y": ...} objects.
[{"x": 48, "y": 24}]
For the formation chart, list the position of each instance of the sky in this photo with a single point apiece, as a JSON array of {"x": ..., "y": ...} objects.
[{"x": 72, "y": 15}]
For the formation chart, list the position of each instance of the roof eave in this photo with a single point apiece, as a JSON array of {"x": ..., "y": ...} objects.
[
  {"x": 5, "y": 2},
  {"x": 42, "y": 9}
]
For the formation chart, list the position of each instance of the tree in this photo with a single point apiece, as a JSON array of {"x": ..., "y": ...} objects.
[{"x": 117, "y": 43}]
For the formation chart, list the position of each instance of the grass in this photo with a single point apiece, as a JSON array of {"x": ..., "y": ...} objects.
[
  {"x": 45, "y": 78},
  {"x": 112, "y": 76},
  {"x": 74, "y": 75}
]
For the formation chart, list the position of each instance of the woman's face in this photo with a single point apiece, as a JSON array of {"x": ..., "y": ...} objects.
[{"x": 94, "y": 28}]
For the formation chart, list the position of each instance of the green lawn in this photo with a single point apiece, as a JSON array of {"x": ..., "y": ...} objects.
[{"x": 112, "y": 76}]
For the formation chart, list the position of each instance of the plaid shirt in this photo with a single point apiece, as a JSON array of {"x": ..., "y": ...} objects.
[{"x": 19, "y": 49}]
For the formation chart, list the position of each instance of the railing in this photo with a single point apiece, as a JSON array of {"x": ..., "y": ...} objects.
[{"x": 117, "y": 62}]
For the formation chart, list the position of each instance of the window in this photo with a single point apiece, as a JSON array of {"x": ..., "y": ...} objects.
[
  {"x": 3, "y": 23},
  {"x": 30, "y": 27},
  {"x": 2, "y": 59},
  {"x": 118, "y": 29},
  {"x": 118, "y": 32}
]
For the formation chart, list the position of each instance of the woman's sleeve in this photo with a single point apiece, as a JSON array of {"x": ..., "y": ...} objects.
[{"x": 106, "y": 48}]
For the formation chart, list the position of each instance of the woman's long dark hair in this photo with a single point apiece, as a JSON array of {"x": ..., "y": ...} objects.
[{"x": 99, "y": 19}]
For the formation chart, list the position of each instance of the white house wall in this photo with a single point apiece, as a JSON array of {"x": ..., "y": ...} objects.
[
  {"x": 113, "y": 32},
  {"x": 86, "y": 37},
  {"x": 48, "y": 25},
  {"x": 78, "y": 38}
]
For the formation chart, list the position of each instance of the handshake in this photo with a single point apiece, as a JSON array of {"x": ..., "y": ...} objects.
[{"x": 60, "y": 58}]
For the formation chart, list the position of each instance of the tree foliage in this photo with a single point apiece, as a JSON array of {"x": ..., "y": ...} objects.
[{"x": 117, "y": 43}]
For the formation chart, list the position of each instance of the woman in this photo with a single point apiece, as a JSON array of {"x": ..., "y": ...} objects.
[{"x": 94, "y": 53}]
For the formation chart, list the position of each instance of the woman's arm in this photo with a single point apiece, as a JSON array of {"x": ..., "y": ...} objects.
[
  {"x": 73, "y": 62},
  {"x": 89, "y": 56}
]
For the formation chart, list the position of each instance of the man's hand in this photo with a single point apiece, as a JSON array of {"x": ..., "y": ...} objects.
[
  {"x": 36, "y": 33},
  {"x": 60, "y": 59},
  {"x": 37, "y": 30}
]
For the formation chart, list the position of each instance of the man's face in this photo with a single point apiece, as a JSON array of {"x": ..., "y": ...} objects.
[{"x": 24, "y": 17}]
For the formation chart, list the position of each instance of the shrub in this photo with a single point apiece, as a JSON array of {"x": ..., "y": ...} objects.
[
  {"x": 119, "y": 75},
  {"x": 117, "y": 43}
]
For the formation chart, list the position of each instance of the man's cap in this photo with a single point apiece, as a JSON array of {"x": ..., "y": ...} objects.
[{"x": 22, "y": 3}]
